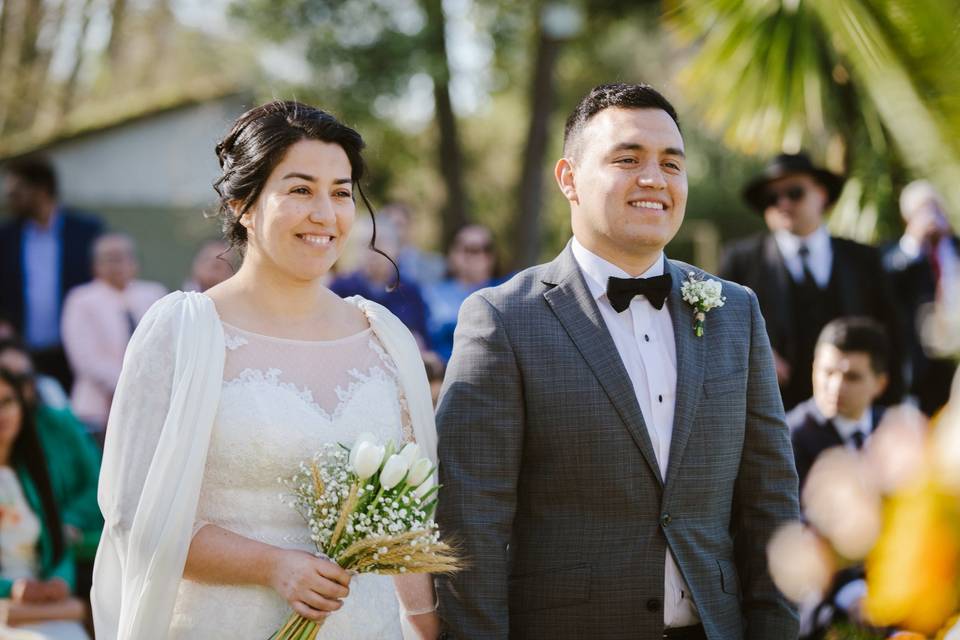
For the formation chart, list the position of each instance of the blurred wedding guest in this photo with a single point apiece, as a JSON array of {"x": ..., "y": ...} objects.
[
  {"x": 211, "y": 266},
  {"x": 471, "y": 265},
  {"x": 7, "y": 328},
  {"x": 36, "y": 566},
  {"x": 435, "y": 372},
  {"x": 803, "y": 276},
  {"x": 44, "y": 253},
  {"x": 422, "y": 267},
  {"x": 924, "y": 266},
  {"x": 850, "y": 373},
  {"x": 73, "y": 460},
  {"x": 98, "y": 320},
  {"x": 376, "y": 279},
  {"x": 47, "y": 389}
]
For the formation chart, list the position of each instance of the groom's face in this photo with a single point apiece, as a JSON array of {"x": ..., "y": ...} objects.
[{"x": 626, "y": 183}]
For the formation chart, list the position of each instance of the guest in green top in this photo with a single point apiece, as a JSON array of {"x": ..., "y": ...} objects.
[
  {"x": 73, "y": 459},
  {"x": 36, "y": 566}
]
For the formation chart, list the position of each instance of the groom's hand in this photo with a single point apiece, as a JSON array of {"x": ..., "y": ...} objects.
[{"x": 313, "y": 586}]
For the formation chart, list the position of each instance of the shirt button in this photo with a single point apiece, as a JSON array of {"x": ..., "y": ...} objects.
[
  {"x": 653, "y": 605},
  {"x": 646, "y": 337},
  {"x": 660, "y": 398},
  {"x": 665, "y": 519}
]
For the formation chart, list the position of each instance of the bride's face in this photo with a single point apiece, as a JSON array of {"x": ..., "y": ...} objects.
[{"x": 305, "y": 211}]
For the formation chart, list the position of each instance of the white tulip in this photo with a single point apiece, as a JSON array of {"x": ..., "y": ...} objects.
[
  {"x": 424, "y": 487},
  {"x": 419, "y": 472},
  {"x": 367, "y": 460},
  {"x": 366, "y": 436},
  {"x": 409, "y": 453},
  {"x": 393, "y": 471}
]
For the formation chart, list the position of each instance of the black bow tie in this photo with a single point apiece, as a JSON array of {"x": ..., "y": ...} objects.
[{"x": 620, "y": 291}]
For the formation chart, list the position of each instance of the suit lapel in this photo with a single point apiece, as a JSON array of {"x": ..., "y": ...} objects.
[
  {"x": 843, "y": 277},
  {"x": 577, "y": 311},
  {"x": 690, "y": 364},
  {"x": 776, "y": 289}
]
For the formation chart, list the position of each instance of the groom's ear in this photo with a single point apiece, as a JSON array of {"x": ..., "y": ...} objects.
[{"x": 564, "y": 173}]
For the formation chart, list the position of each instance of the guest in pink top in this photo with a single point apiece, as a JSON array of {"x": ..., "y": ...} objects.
[{"x": 98, "y": 320}]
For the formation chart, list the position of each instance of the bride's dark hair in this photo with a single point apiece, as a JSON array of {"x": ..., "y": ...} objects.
[{"x": 256, "y": 144}]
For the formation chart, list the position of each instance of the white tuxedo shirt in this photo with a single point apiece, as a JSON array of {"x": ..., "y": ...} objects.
[{"x": 645, "y": 340}]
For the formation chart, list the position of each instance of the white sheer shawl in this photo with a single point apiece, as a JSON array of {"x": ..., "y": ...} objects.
[{"x": 156, "y": 449}]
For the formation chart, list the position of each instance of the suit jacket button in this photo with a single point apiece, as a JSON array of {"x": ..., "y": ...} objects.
[
  {"x": 665, "y": 519},
  {"x": 653, "y": 605}
]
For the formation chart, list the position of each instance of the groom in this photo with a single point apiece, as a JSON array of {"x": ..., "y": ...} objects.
[{"x": 609, "y": 473}]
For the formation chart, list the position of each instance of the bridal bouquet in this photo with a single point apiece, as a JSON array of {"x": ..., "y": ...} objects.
[{"x": 369, "y": 509}]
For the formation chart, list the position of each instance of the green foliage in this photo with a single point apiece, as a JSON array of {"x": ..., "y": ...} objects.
[
  {"x": 847, "y": 631},
  {"x": 871, "y": 86},
  {"x": 359, "y": 51}
]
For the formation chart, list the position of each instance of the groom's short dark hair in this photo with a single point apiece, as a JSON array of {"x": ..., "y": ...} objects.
[{"x": 606, "y": 96}]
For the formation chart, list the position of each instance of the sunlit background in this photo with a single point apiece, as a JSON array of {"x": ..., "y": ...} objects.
[{"x": 462, "y": 102}]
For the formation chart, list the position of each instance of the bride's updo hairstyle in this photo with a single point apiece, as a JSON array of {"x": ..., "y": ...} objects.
[{"x": 256, "y": 144}]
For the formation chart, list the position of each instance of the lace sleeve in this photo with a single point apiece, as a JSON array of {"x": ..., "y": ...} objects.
[{"x": 405, "y": 422}]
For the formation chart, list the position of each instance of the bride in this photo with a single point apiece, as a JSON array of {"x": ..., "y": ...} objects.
[{"x": 223, "y": 393}]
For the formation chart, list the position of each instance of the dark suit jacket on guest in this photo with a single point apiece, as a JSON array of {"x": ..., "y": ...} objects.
[
  {"x": 551, "y": 482},
  {"x": 78, "y": 233},
  {"x": 862, "y": 288},
  {"x": 811, "y": 435},
  {"x": 915, "y": 285}
]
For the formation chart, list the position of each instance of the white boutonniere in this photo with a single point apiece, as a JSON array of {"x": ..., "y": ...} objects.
[{"x": 702, "y": 295}]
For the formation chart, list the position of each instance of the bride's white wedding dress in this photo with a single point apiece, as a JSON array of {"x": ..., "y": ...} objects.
[{"x": 281, "y": 399}]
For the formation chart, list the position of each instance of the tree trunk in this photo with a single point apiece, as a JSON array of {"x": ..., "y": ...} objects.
[
  {"x": 24, "y": 66},
  {"x": 527, "y": 227},
  {"x": 118, "y": 14},
  {"x": 456, "y": 209},
  {"x": 6, "y": 68},
  {"x": 70, "y": 85}
]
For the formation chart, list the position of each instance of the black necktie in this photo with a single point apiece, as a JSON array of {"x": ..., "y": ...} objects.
[
  {"x": 620, "y": 291},
  {"x": 857, "y": 439},
  {"x": 808, "y": 279}
]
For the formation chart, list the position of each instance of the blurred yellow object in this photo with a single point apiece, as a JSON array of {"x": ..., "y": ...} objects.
[{"x": 912, "y": 571}]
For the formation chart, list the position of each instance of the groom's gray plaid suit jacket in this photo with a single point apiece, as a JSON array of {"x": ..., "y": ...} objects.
[{"x": 551, "y": 484}]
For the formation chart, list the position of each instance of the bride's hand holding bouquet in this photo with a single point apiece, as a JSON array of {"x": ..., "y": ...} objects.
[{"x": 369, "y": 509}]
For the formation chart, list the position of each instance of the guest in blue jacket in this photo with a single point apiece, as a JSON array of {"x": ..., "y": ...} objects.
[
  {"x": 44, "y": 252},
  {"x": 376, "y": 279}
]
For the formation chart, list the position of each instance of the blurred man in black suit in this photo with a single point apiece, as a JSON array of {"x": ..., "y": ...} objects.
[
  {"x": 924, "y": 266},
  {"x": 850, "y": 373},
  {"x": 44, "y": 252},
  {"x": 803, "y": 277}
]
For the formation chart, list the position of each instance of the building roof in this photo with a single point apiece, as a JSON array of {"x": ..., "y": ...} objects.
[{"x": 95, "y": 119}]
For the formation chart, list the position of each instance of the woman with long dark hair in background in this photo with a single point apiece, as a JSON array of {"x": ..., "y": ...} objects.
[{"x": 36, "y": 568}]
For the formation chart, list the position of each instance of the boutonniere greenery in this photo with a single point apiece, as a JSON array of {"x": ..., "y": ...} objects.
[{"x": 702, "y": 295}]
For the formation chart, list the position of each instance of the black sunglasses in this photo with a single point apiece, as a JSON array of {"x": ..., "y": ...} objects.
[{"x": 794, "y": 194}]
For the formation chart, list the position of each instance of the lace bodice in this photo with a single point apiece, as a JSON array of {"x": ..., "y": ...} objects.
[{"x": 280, "y": 400}]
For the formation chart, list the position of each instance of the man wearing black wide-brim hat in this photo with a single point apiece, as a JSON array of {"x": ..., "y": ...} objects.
[{"x": 803, "y": 276}]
